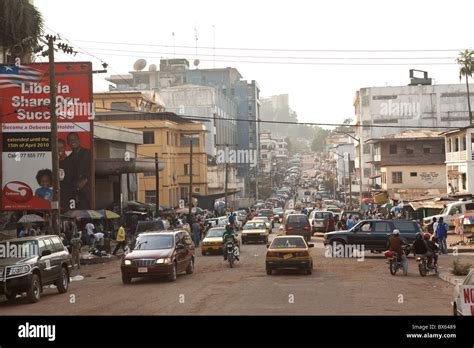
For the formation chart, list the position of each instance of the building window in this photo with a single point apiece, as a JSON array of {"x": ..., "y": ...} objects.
[
  {"x": 167, "y": 138},
  {"x": 397, "y": 178},
  {"x": 124, "y": 106},
  {"x": 393, "y": 149},
  {"x": 448, "y": 145},
  {"x": 463, "y": 181},
  {"x": 149, "y": 174},
  {"x": 150, "y": 196},
  {"x": 410, "y": 150},
  {"x": 148, "y": 137},
  {"x": 184, "y": 193},
  {"x": 185, "y": 141},
  {"x": 366, "y": 149},
  {"x": 367, "y": 171},
  {"x": 413, "y": 174},
  {"x": 186, "y": 169},
  {"x": 426, "y": 150},
  {"x": 456, "y": 144},
  {"x": 463, "y": 143}
]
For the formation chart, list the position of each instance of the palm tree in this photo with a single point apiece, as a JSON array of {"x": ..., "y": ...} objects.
[
  {"x": 466, "y": 68},
  {"x": 21, "y": 27}
]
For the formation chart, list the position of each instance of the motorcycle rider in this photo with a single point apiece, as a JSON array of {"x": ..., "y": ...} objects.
[
  {"x": 395, "y": 244},
  {"x": 419, "y": 246},
  {"x": 432, "y": 249},
  {"x": 229, "y": 233}
]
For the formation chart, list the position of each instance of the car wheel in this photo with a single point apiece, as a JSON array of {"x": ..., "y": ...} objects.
[
  {"x": 309, "y": 270},
  {"x": 34, "y": 292},
  {"x": 63, "y": 282},
  {"x": 11, "y": 297},
  {"x": 269, "y": 271},
  {"x": 173, "y": 275},
  {"x": 190, "y": 268},
  {"x": 126, "y": 279},
  {"x": 335, "y": 245}
]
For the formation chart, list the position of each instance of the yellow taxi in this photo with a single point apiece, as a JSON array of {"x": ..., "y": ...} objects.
[
  {"x": 255, "y": 231},
  {"x": 289, "y": 252},
  {"x": 212, "y": 242}
]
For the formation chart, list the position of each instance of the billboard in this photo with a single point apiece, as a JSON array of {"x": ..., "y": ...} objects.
[{"x": 26, "y": 136}]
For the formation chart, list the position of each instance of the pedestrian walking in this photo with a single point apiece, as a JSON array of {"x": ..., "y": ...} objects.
[
  {"x": 120, "y": 240},
  {"x": 90, "y": 234},
  {"x": 76, "y": 245},
  {"x": 196, "y": 233}
]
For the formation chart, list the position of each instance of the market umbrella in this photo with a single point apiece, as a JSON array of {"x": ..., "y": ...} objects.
[
  {"x": 108, "y": 214},
  {"x": 83, "y": 214},
  {"x": 30, "y": 218}
]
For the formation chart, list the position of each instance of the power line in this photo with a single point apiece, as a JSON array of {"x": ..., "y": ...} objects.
[
  {"x": 286, "y": 62},
  {"x": 274, "y": 49},
  {"x": 277, "y": 57},
  {"x": 283, "y": 122}
]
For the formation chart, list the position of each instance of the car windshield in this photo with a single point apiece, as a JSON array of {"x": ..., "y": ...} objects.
[
  {"x": 155, "y": 242},
  {"x": 215, "y": 233},
  {"x": 254, "y": 226},
  {"x": 265, "y": 212},
  {"x": 278, "y": 210},
  {"x": 319, "y": 215},
  {"x": 287, "y": 243}
]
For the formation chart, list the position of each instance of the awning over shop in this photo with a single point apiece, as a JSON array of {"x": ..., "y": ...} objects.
[{"x": 427, "y": 205}]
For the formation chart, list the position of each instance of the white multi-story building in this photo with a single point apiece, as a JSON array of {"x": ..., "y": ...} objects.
[
  {"x": 380, "y": 111},
  {"x": 273, "y": 151}
]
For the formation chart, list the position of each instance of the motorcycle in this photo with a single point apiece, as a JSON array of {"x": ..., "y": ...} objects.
[
  {"x": 394, "y": 263},
  {"x": 423, "y": 266},
  {"x": 232, "y": 252}
]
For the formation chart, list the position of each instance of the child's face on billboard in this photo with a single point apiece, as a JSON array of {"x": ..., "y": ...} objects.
[{"x": 45, "y": 182}]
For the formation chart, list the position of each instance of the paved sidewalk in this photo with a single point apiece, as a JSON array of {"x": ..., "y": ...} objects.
[{"x": 445, "y": 263}]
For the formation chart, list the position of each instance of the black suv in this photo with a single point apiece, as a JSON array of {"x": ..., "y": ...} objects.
[
  {"x": 29, "y": 264},
  {"x": 374, "y": 234}
]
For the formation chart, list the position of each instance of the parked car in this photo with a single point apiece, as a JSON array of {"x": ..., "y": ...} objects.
[
  {"x": 255, "y": 231},
  {"x": 374, "y": 234},
  {"x": 457, "y": 294},
  {"x": 354, "y": 213},
  {"x": 289, "y": 252},
  {"x": 152, "y": 226},
  {"x": 165, "y": 253},
  {"x": 449, "y": 211},
  {"x": 38, "y": 262},
  {"x": 318, "y": 219},
  {"x": 298, "y": 224}
]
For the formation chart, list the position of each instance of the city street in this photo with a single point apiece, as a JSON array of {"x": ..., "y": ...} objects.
[{"x": 336, "y": 287}]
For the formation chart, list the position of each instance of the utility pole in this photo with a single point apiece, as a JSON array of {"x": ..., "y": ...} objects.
[
  {"x": 350, "y": 179},
  {"x": 190, "y": 178},
  {"x": 225, "y": 186},
  {"x": 157, "y": 185},
  {"x": 55, "y": 204}
]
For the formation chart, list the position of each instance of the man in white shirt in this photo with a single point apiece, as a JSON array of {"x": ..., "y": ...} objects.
[{"x": 90, "y": 233}]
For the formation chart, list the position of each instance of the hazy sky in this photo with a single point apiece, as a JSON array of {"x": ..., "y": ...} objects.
[{"x": 318, "y": 93}]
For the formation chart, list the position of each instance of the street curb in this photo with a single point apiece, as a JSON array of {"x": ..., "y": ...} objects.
[{"x": 450, "y": 278}]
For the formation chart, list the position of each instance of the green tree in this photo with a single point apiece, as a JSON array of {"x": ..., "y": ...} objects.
[
  {"x": 21, "y": 27},
  {"x": 319, "y": 140},
  {"x": 466, "y": 67}
]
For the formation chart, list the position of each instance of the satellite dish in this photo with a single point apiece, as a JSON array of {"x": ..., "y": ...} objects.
[
  {"x": 196, "y": 62},
  {"x": 152, "y": 67},
  {"x": 139, "y": 64}
]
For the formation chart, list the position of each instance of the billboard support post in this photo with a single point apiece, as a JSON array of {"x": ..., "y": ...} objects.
[{"x": 55, "y": 206}]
